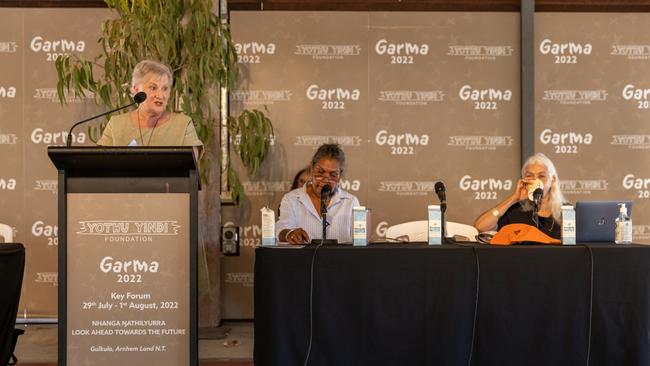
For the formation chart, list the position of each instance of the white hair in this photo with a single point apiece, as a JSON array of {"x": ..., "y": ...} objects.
[
  {"x": 145, "y": 68},
  {"x": 556, "y": 198}
]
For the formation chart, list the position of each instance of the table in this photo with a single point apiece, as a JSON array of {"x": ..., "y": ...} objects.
[{"x": 420, "y": 305}]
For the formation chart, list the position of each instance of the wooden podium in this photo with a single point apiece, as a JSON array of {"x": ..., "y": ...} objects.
[{"x": 128, "y": 233}]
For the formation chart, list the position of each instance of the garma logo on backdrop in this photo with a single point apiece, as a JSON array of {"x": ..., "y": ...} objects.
[
  {"x": 381, "y": 229},
  {"x": 53, "y": 49},
  {"x": 317, "y": 140},
  {"x": 252, "y": 52},
  {"x": 631, "y": 141},
  {"x": 332, "y": 98},
  {"x": 479, "y": 52},
  {"x": 405, "y": 53},
  {"x": 565, "y": 142},
  {"x": 640, "y": 185},
  {"x": 40, "y": 136},
  {"x": 401, "y": 144},
  {"x": 411, "y": 97},
  {"x": 260, "y": 97},
  {"x": 8, "y": 47},
  {"x": 50, "y": 232},
  {"x": 564, "y": 53},
  {"x": 480, "y": 142},
  {"x": 583, "y": 186},
  {"x": 7, "y": 91},
  {"x": 484, "y": 189},
  {"x": 353, "y": 185},
  {"x": 484, "y": 99},
  {"x": 7, "y": 184},
  {"x": 327, "y": 51},
  {"x": 407, "y": 188},
  {"x": 573, "y": 97},
  {"x": 639, "y": 95},
  {"x": 632, "y": 51}
]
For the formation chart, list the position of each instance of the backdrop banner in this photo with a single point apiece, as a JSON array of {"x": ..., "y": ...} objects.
[{"x": 412, "y": 98}]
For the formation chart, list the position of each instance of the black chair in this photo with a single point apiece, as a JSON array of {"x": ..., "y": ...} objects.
[{"x": 12, "y": 265}]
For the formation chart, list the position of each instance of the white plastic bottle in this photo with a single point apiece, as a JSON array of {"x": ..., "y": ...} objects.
[
  {"x": 568, "y": 225},
  {"x": 623, "y": 226}
]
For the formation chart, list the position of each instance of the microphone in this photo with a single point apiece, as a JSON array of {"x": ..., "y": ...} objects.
[
  {"x": 137, "y": 99},
  {"x": 441, "y": 192},
  {"x": 537, "y": 196},
  {"x": 324, "y": 193}
]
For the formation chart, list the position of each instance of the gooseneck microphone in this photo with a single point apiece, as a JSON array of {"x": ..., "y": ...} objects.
[
  {"x": 324, "y": 194},
  {"x": 537, "y": 197},
  {"x": 137, "y": 99},
  {"x": 441, "y": 191}
]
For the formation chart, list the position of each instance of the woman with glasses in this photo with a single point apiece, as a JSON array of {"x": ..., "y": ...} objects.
[{"x": 300, "y": 215}]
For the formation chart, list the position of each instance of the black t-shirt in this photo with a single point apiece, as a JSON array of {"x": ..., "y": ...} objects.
[{"x": 516, "y": 215}]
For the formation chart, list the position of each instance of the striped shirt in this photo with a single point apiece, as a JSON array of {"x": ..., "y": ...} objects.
[{"x": 297, "y": 211}]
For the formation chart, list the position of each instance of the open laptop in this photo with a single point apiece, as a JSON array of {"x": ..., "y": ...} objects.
[{"x": 595, "y": 220}]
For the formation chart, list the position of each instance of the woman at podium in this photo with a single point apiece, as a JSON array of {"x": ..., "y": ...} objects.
[
  {"x": 151, "y": 124},
  {"x": 300, "y": 210},
  {"x": 525, "y": 205}
]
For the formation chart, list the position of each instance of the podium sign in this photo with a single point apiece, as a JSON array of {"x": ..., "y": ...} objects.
[
  {"x": 127, "y": 256},
  {"x": 130, "y": 298}
]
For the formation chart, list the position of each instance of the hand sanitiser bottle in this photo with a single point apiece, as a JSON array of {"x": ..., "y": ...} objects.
[{"x": 623, "y": 226}]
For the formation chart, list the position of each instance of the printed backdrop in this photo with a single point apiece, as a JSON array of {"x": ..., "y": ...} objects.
[
  {"x": 31, "y": 119},
  {"x": 413, "y": 98}
]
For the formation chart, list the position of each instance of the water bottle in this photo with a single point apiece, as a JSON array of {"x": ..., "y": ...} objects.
[
  {"x": 623, "y": 226},
  {"x": 360, "y": 225},
  {"x": 435, "y": 225},
  {"x": 568, "y": 225},
  {"x": 268, "y": 226}
]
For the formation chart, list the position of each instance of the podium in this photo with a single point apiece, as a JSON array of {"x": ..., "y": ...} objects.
[{"x": 128, "y": 233}]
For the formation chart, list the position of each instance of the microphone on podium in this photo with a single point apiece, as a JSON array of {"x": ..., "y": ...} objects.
[{"x": 137, "y": 99}]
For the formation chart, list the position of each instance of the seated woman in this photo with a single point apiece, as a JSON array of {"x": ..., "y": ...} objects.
[
  {"x": 300, "y": 219},
  {"x": 518, "y": 209},
  {"x": 151, "y": 124},
  {"x": 301, "y": 178}
]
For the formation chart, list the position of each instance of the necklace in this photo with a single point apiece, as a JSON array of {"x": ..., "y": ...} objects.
[{"x": 137, "y": 112}]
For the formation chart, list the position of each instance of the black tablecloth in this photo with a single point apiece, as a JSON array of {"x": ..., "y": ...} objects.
[{"x": 416, "y": 305}]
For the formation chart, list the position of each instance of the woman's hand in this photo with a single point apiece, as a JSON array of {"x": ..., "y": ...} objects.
[
  {"x": 297, "y": 236},
  {"x": 521, "y": 190}
]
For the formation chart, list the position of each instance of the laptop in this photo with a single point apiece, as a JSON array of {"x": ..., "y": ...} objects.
[{"x": 595, "y": 220}]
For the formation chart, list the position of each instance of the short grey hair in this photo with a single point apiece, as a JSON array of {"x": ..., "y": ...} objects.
[
  {"x": 146, "y": 67},
  {"x": 330, "y": 151}
]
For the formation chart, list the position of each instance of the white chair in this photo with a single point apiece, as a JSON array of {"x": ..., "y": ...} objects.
[
  {"x": 418, "y": 231},
  {"x": 7, "y": 233}
]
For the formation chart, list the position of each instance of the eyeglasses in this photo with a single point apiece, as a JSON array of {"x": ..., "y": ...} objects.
[{"x": 320, "y": 174}]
